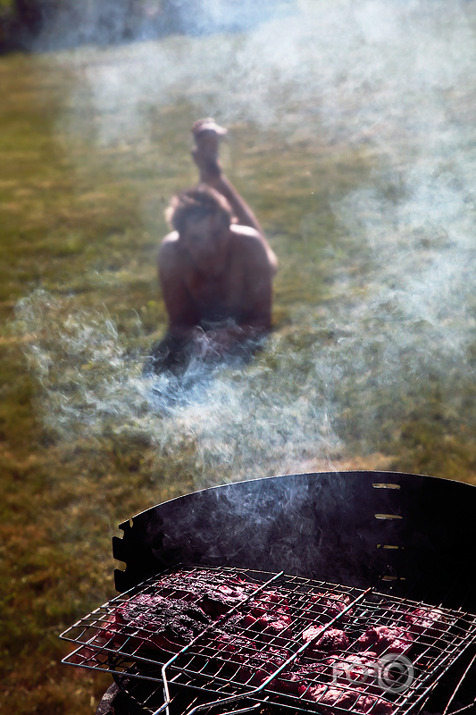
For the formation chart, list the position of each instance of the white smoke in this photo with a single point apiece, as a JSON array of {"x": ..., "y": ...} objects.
[
  {"x": 91, "y": 388},
  {"x": 359, "y": 67},
  {"x": 392, "y": 79}
]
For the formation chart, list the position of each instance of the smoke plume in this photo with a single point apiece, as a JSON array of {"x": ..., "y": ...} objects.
[{"x": 393, "y": 78}]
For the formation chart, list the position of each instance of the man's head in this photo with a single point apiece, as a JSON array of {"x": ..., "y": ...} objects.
[
  {"x": 197, "y": 204},
  {"x": 202, "y": 218}
]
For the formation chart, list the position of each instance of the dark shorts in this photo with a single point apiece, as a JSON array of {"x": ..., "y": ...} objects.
[{"x": 176, "y": 355}]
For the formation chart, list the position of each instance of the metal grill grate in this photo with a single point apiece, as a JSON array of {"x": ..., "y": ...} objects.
[{"x": 240, "y": 636}]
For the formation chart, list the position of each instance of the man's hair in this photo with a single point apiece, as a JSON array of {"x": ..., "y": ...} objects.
[{"x": 196, "y": 204}]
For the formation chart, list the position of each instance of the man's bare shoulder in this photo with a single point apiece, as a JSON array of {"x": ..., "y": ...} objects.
[
  {"x": 171, "y": 239},
  {"x": 247, "y": 239},
  {"x": 169, "y": 248},
  {"x": 254, "y": 243},
  {"x": 246, "y": 232}
]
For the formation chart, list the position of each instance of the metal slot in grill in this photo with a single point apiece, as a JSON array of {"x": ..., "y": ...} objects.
[{"x": 239, "y": 638}]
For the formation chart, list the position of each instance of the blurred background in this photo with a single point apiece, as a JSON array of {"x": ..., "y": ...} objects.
[{"x": 352, "y": 136}]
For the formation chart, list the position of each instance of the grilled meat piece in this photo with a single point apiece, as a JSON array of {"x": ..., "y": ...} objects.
[
  {"x": 331, "y": 640},
  {"x": 164, "y": 623},
  {"x": 214, "y": 596},
  {"x": 298, "y": 676},
  {"x": 269, "y": 614},
  {"x": 329, "y": 605},
  {"x": 234, "y": 647},
  {"x": 429, "y": 620},
  {"x": 259, "y": 666},
  {"x": 272, "y": 624},
  {"x": 251, "y": 665},
  {"x": 357, "y": 669},
  {"x": 235, "y": 651},
  {"x": 386, "y": 639},
  {"x": 335, "y": 699},
  {"x": 217, "y": 601},
  {"x": 269, "y": 601}
]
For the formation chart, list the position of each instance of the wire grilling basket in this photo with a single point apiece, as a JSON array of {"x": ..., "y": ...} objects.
[{"x": 238, "y": 639}]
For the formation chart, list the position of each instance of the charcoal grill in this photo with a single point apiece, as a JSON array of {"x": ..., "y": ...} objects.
[{"x": 381, "y": 544}]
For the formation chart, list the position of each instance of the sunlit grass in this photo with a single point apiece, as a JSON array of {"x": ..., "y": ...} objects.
[{"x": 350, "y": 377}]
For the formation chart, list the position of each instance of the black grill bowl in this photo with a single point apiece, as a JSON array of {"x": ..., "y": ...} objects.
[{"x": 409, "y": 534}]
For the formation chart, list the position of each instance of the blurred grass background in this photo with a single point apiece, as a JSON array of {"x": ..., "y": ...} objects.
[{"x": 93, "y": 142}]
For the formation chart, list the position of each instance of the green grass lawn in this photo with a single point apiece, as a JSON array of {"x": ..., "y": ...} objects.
[{"x": 361, "y": 177}]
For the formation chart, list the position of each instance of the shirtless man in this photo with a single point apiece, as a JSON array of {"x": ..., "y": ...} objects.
[{"x": 215, "y": 268}]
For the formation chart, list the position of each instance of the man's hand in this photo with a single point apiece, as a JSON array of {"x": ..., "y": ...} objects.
[{"x": 207, "y": 135}]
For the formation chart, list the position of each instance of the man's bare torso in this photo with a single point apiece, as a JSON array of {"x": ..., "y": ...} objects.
[{"x": 234, "y": 292}]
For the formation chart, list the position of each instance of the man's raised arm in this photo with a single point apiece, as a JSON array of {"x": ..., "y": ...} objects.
[{"x": 207, "y": 135}]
